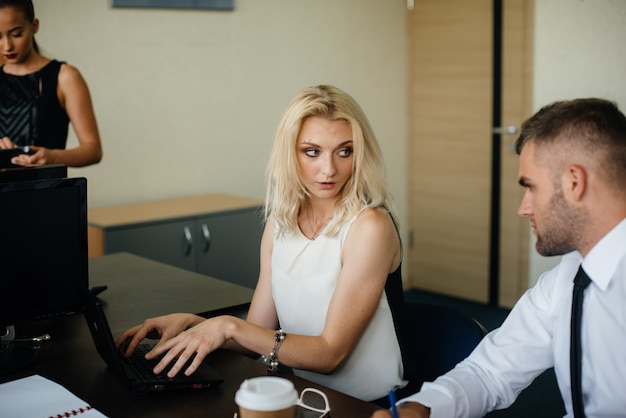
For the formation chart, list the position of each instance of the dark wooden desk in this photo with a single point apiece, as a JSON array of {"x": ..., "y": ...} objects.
[
  {"x": 138, "y": 288},
  {"x": 141, "y": 288}
]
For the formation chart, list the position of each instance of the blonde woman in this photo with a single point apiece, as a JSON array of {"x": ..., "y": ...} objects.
[{"x": 330, "y": 288}]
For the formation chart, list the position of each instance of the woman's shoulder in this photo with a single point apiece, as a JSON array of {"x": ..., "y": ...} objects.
[
  {"x": 373, "y": 234},
  {"x": 67, "y": 71},
  {"x": 373, "y": 214},
  {"x": 373, "y": 220},
  {"x": 70, "y": 79}
]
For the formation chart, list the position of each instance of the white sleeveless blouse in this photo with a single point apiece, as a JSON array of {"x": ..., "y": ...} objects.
[{"x": 304, "y": 276}]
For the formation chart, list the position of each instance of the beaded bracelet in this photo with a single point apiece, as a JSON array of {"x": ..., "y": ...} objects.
[{"x": 272, "y": 363}]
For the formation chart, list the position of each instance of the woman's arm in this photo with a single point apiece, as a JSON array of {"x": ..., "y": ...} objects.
[{"x": 75, "y": 98}]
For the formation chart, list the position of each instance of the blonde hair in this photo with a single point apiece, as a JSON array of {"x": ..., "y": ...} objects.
[{"x": 286, "y": 193}]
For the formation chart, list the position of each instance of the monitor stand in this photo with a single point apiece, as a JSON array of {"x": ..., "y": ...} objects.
[
  {"x": 96, "y": 290},
  {"x": 15, "y": 356}
]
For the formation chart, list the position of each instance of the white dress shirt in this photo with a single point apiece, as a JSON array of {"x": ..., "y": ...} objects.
[{"x": 536, "y": 336}]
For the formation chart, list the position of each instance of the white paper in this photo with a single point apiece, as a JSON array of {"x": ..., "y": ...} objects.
[{"x": 36, "y": 396}]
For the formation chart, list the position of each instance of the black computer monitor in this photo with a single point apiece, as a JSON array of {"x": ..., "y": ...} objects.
[{"x": 43, "y": 250}]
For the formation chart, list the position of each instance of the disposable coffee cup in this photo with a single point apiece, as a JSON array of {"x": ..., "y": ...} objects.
[{"x": 265, "y": 397}]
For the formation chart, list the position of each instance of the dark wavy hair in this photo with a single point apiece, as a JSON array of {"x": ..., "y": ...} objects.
[
  {"x": 594, "y": 125},
  {"x": 27, "y": 8}
]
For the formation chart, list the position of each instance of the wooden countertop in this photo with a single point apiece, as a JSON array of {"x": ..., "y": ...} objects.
[{"x": 155, "y": 210}]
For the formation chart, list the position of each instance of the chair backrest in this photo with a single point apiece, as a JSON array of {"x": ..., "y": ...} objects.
[{"x": 438, "y": 337}]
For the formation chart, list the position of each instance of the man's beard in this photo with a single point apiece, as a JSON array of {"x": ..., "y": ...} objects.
[{"x": 561, "y": 228}]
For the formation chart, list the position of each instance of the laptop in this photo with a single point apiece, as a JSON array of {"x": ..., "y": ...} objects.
[{"x": 136, "y": 371}]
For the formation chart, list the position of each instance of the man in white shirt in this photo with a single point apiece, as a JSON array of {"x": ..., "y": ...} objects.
[{"x": 573, "y": 167}]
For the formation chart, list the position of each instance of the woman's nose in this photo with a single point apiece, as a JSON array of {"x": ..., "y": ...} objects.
[
  {"x": 6, "y": 44},
  {"x": 328, "y": 166}
]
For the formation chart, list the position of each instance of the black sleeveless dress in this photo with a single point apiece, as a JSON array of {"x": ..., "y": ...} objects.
[{"x": 30, "y": 115}]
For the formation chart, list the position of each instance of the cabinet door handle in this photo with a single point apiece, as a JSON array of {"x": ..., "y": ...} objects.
[
  {"x": 207, "y": 238},
  {"x": 188, "y": 240}
]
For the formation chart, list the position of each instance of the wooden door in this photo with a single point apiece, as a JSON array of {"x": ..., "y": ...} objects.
[{"x": 450, "y": 130}]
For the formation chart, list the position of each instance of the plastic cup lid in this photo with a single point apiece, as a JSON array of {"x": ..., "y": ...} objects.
[{"x": 267, "y": 393}]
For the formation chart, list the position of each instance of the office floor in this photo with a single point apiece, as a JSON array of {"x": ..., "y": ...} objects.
[{"x": 542, "y": 398}]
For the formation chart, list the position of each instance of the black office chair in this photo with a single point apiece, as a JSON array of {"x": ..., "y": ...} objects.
[{"x": 438, "y": 337}]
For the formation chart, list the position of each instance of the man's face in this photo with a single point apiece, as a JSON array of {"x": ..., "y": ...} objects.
[{"x": 553, "y": 220}]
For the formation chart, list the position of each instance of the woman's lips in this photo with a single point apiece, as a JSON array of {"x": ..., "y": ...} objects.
[{"x": 326, "y": 185}]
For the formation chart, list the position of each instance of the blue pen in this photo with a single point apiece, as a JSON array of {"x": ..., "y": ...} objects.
[{"x": 392, "y": 403}]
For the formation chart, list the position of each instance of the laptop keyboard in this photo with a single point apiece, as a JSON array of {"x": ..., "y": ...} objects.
[{"x": 143, "y": 367}]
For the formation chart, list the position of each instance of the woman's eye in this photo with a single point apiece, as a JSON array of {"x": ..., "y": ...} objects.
[
  {"x": 311, "y": 152},
  {"x": 345, "y": 152}
]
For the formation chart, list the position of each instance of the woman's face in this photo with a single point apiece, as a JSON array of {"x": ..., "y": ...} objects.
[
  {"x": 324, "y": 154},
  {"x": 16, "y": 35}
]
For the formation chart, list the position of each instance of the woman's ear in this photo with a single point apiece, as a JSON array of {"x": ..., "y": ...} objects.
[
  {"x": 35, "y": 25},
  {"x": 575, "y": 182}
]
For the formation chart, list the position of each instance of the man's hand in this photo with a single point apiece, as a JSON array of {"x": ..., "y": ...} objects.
[{"x": 406, "y": 410}]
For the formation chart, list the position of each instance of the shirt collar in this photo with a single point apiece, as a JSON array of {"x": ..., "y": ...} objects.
[{"x": 602, "y": 260}]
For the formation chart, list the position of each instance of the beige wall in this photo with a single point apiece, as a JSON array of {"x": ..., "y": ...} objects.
[
  {"x": 579, "y": 52},
  {"x": 187, "y": 101}
]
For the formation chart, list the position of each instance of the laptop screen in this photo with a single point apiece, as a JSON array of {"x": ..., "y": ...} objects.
[{"x": 43, "y": 249}]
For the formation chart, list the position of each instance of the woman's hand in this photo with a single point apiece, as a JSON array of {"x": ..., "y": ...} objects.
[
  {"x": 6, "y": 143},
  {"x": 199, "y": 340},
  {"x": 40, "y": 156},
  {"x": 166, "y": 327}
]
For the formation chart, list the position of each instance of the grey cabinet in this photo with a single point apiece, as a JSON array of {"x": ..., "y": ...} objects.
[{"x": 216, "y": 235}]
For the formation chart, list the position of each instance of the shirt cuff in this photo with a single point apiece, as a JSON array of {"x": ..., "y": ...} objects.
[{"x": 440, "y": 403}]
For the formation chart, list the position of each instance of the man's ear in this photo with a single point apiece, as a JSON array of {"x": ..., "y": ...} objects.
[{"x": 575, "y": 182}]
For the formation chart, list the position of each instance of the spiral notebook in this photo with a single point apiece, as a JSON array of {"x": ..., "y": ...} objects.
[
  {"x": 136, "y": 371},
  {"x": 51, "y": 399}
]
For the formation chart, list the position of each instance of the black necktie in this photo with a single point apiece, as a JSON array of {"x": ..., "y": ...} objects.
[{"x": 581, "y": 281}]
